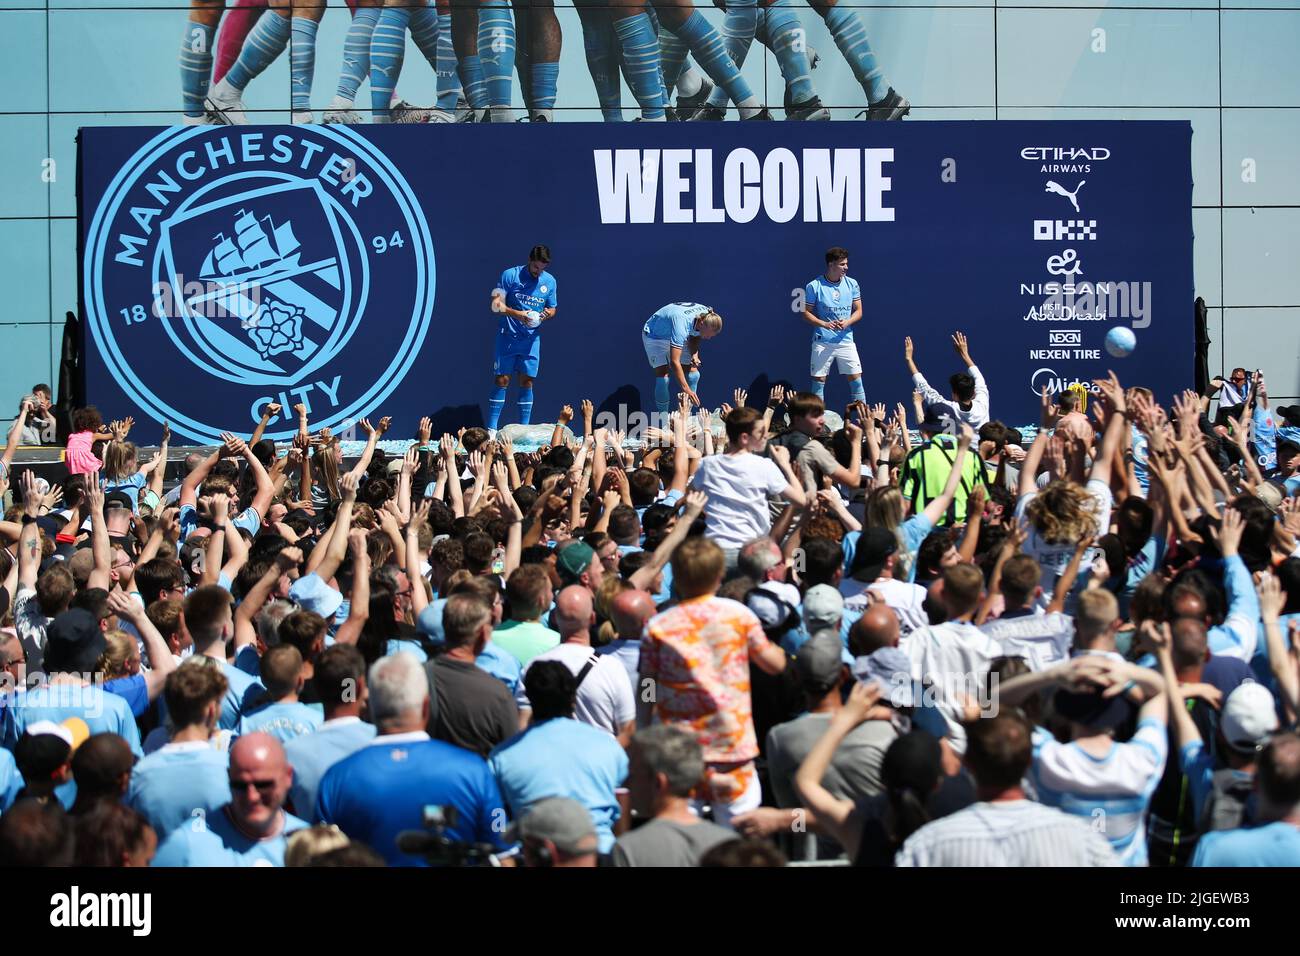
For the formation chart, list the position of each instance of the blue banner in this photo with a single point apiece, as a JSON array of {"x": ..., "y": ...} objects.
[{"x": 352, "y": 269}]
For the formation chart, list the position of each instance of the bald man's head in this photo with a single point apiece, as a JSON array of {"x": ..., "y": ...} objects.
[
  {"x": 630, "y": 611},
  {"x": 574, "y": 612},
  {"x": 877, "y": 628},
  {"x": 260, "y": 777}
]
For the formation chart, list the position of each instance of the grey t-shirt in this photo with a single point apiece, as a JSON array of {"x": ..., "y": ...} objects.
[
  {"x": 666, "y": 843},
  {"x": 854, "y": 773},
  {"x": 473, "y": 710}
]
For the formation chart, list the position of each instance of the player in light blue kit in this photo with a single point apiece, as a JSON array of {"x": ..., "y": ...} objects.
[
  {"x": 678, "y": 326},
  {"x": 525, "y": 298},
  {"x": 833, "y": 305}
]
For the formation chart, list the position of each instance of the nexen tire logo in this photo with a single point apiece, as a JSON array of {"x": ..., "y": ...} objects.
[{"x": 260, "y": 256}]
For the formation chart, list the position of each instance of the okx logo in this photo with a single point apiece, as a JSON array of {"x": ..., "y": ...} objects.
[{"x": 225, "y": 270}]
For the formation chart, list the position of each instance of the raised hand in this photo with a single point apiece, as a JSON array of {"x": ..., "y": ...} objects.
[
  {"x": 425, "y": 430},
  {"x": 166, "y": 433},
  {"x": 365, "y": 426},
  {"x": 566, "y": 414},
  {"x": 1113, "y": 392},
  {"x": 907, "y": 348},
  {"x": 1272, "y": 599},
  {"x": 348, "y": 485},
  {"x": 476, "y": 462},
  {"x": 694, "y": 502},
  {"x": 776, "y": 395},
  {"x": 781, "y": 455},
  {"x": 447, "y": 446},
  {"x": 1048, "y": 411},
  {"x": 959, "y": 345},
  {"x": 270, "y": 410},
  {"x": 219, "y": 508},
  {"x": 740, "y": 395},
  {"x": 588, "y": 409},
  {"x": 966, "y": 436}
]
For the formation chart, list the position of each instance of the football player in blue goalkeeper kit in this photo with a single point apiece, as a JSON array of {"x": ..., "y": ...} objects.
[
  {"x": 525, "y": 298},
  {"x": 674, "y": 328}
]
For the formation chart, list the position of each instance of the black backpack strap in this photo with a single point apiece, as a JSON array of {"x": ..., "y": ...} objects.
[{"x": 592, "y": 661}]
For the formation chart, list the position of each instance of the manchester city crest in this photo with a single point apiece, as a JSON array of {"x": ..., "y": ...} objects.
[{"x": 228, "y": 268}]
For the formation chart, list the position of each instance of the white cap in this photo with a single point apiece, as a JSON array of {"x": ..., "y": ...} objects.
[
  {"x": 1249, "y": 717},
  {"x": 50, "y": 727}
]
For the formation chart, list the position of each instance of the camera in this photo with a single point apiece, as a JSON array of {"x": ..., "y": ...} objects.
[{"x": 439, "y": 849}]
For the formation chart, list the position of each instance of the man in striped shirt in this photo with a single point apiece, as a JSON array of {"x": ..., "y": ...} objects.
[
  {"x": 1107, "y": 783},
  {"x": 1005, "y": 828}
]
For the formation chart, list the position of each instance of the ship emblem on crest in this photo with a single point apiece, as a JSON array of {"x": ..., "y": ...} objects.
[{"x": 268, "y": 308}]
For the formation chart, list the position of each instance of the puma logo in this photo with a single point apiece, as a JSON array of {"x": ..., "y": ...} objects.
[{"x": 1055, "y": 187}]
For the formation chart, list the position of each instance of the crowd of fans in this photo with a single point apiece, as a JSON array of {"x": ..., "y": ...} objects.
[{"x": 791, "y": 637}]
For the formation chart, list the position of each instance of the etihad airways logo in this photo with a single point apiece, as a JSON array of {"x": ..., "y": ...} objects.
[{"x": 1064, "y": 154}]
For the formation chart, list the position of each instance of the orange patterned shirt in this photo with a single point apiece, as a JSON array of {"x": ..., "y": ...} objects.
[{"x": 697, "y": 653}]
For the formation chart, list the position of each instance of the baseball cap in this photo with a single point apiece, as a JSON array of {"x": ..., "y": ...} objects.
[
  {"x": 1249, "y": 717},
  {"x": 118, "y": 499},
  {"x": 74, "y": 643},
  {"x": 1091, "y": 709},
  {"x": 938, "y": 419},
  {"x": 574, "y": 560},
  {"x": 1288, "y": 413},
  {"x": 311, "y": 593},
  {"x": 873, "y": 549},
  {"x": 818, "y": 662},
  {"x": 823, "y": 606},
  {"x": 891, "y": 668},
  {"x": 394, "y": 467},
  {"x": 563, "y": 821},
  {"x": 776, "y": 615}
]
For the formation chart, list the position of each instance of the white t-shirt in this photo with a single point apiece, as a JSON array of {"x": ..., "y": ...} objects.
[
  {"x": 1041, "y": 639},
  {"x": 738, "y": 487},
  {"x": 952, "y": 660},
  {"x": 905, "y": 599},
  {"x": 1054, "y": 557},
  {"x": 605, "y": 697}
]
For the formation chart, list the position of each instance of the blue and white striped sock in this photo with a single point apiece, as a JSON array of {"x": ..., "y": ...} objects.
[
  {"x": 788, "y": 42},
  {"x": 471, "y": 78},
  {"x": 356, "y": 53},
  {"x": 546, "y": 78},
  {"x": 818, "y": 389},
  {"x": 636, "y": 36},
  {"x": 495, "y": 404},
  {"x": 672, "y": 59},
  {"x": 424, "y": 31},
  {"x": 693, "y": 380},
  {"x": 387, "y": 50},
  {"x": 737, "y": 35},
  {"x": 302, "y": 62},
  {"x": 526, "y": 406},
  {"x": 496, "y": 49},
  {"x": 264, "y": 43},
  {"x": 710, "y": 53},
  {"x": 196, "y": 66},
  {"x": 850, "y": 35},
  {"x": 858, "y": 390},
  {"x": 449, "y": 89},
  {"x": 601, "y": 47}
]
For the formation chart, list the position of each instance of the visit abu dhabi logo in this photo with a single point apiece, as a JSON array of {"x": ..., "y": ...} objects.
[{"x": 226, "y": 269}]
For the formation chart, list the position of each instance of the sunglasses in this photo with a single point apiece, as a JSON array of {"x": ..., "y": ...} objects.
[{"x": 262, "y": 786}]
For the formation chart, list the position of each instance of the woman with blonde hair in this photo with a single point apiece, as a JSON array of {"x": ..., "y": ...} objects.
[{"x": 1063, "y": 513}]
